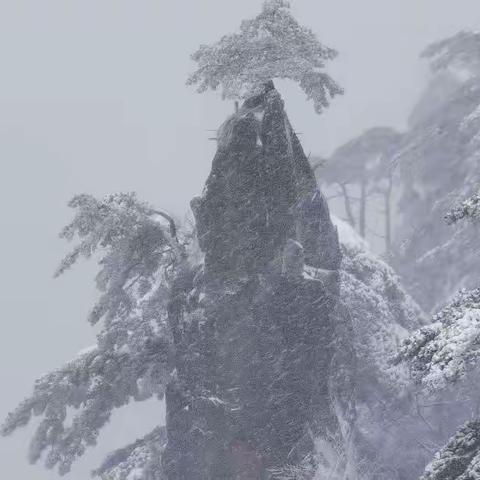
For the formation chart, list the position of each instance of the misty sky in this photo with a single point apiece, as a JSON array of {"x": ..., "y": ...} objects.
[{"x": 93, "y": 99}]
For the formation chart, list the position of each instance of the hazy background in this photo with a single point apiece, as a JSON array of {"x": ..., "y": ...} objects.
[{"x": 93, "y": 99}]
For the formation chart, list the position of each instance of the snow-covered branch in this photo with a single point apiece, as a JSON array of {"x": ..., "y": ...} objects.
[
  {"x": 460, "y": 458},
  {"x": 444, "y": 351},
  {"x": 469, "y": 208},
  {"x": 140, "y": 460},
  {"x": 76, "y": 401},
  {"x": 270, "y": 46},
  {"x": 133, "y": 355}
]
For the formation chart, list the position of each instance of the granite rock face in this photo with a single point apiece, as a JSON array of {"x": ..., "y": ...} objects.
[{"x": 253, "y": 326}]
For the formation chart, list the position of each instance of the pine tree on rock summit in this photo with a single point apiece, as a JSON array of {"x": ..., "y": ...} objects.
[{"x": 271, "y": 46}]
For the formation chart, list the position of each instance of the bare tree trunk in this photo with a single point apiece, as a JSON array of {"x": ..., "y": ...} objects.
[
  {"x": 363, "y": 208},
  {"x": 388, "y": 216},
  {"x": 348, "y": 205}
]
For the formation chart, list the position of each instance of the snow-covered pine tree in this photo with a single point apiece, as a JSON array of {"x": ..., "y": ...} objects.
[
  {"x": 138, "y": 254},
  {"x": 445, "y": 354},
  {"x": 273, "y": 45},
  {"x": 438, "y": 167}
]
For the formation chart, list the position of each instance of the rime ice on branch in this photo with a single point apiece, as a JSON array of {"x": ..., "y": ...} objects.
[
  {"x": 443, "y": 354},
  {"x": 271, "y": 46},
  {"x": 133, "y": 356}
]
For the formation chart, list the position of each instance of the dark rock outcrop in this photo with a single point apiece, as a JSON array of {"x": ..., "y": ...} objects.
[{"x": 253, "y": 328}]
